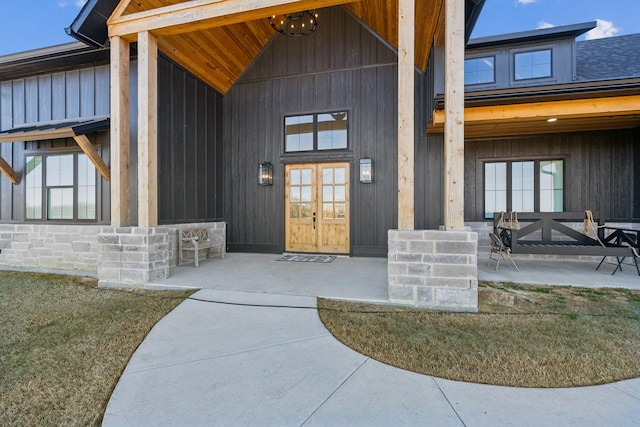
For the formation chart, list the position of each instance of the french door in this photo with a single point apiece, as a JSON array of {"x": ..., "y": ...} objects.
[{"x": 317, "y": 208}]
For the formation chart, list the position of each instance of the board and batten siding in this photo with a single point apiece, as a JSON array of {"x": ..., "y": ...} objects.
[
  {"x": 342, "y": 66},
  {"x": 190, "y": 168},
  {"x": 45, "y": 98},
  {"x": 600, "y": 169}
]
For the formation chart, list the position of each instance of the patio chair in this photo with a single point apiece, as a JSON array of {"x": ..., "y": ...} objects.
[{"x": 502, "y": 252}]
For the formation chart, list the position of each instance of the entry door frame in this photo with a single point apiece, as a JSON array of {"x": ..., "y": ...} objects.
[{"x": 325, "y": 225}]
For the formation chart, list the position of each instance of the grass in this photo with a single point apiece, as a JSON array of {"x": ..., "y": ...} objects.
[
  {"x": 64, "y": 343},
  {"x": 526, "y": 336}
]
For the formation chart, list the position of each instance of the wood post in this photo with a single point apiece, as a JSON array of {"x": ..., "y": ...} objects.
[
  {"x": 454, "y": 116},
  {"x": 406, "y": 113},
  {"x": 147, "y": 130},
  {"x": 120, "y": 205}
]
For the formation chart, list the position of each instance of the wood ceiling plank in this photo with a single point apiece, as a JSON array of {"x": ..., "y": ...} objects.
[
  {"x": 599, "y": 107},
  {"x": 197, "y": 15}
]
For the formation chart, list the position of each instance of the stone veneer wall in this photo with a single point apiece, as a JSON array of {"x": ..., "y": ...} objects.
[
  {"x": 433, "y": 269},
  {"x": 137, "y": 256},
  {"x": 116, "y": 255},
  {"x": 68, "y": 249}
]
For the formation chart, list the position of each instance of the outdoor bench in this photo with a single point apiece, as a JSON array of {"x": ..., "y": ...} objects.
[
  {"x": 544, "y": 233},
  {"x": 196, "y": 239}
]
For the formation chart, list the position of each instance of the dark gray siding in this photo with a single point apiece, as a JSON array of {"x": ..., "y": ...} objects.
[
  {"x": 342, "y": 66},
  {"x": 599, "y": 169},
  {"x": 189, "y": 147},
  {"x": 45, "y": 98}
]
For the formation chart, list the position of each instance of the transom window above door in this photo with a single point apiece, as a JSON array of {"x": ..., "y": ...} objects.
[{"x": 316, "y": 132}]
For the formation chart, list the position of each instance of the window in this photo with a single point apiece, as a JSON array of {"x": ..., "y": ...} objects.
[
  {"x": 515, "y": 186},
  {"x": 479, "y": 70},
  {"x": 533, "y": 65},
  {"x": 309, "y": 132},
  {"x": 63, "y": 183}
]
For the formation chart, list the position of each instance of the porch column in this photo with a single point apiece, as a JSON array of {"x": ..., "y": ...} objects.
[
  {"x": 147, "y": 130},
  {"x": 406, "y": 83},
  {"x": 454, "y": 116},
  {"x": 120, "y": 207}
]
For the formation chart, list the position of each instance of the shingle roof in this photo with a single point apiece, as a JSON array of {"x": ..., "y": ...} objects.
[{"x": 608, "y": 58}]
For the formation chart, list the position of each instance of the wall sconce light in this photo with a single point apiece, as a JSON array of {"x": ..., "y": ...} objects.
[
  {"x": 366, "y": 170},
  {"x": 265, "y": 173}
]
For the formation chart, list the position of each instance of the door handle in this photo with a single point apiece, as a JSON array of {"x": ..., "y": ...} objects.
[{"x": 314, "y": 220}]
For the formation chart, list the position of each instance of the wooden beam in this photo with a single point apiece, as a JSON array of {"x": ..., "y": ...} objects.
[
  {"x": 454, "y": 112},
  {"x": 406, "y": 114},
  {"x": 198, "y": 15},
  {"x": 37, "y": 135},
  {"x": 119, "y": 10},
  {"x": 9, "y": 172},
  {"x": 120, "y": 204},
  {"x": 88, "y": 149},
  {"x": 575, "y": 108},
  {"x": 147, "y": 130}
]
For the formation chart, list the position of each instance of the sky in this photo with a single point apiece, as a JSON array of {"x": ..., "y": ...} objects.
[{"x": 34, "y": 24}]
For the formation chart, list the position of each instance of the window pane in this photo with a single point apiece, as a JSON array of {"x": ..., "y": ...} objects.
[
  {"x": 495, "y": 194},
  {"x": 86, "y": 188},
  {"x": 59, "y": 203},
  {"x": 306, "y": 194},
  {"x": 327, "y": 176},
  {"x": 294, "y": 194},
  {"x": 340, "y": 193},
  {"x": 294, "y": 176},
  {"x": 552, "y": 186},
  {"x": 332, "y": 131},
  {"x": 306, "y": 176},
  {"x": 327, "y": 211},
  {"x": 479, "y": 70},
  {"x": 298, "y": 131},
  {"x": 327, "y": 193},
  {"x": 341, "y": 176},
  {"x": 33, "y": 183},
  {"x": 522, "y": 186},
  {"x": 532, "y": 65},
  {"x": 59, "y": 170}
]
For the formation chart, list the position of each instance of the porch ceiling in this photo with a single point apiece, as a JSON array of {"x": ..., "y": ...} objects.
[
  {"x": 577, "y": 115},
  {"x": 217, "y": 41}
]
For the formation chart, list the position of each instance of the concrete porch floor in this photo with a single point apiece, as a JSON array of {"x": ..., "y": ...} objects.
[{"x": 365, "y": 279}]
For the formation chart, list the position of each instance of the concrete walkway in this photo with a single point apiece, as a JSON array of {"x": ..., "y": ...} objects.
[{"x": 251, "y": 351}]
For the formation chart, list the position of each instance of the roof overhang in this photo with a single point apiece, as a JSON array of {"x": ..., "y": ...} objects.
[
  {"x": 604, "y": 110},
  {"x": 563, "y": 31},
  {"x": 76, "y": 129},
  {"x": 54, "y": 130},
  {"x": 217, "y": 40}
]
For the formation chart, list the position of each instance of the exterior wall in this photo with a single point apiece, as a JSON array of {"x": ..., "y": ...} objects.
[
  {"x": 342, "y": 66},
  {"x": 599, "y": 167},
  {"x": 50, "y": 97},
  {"x": 70, "y": 249},
  {"x": 190, "y": 162},
  {"x": 562, "y": 64}
]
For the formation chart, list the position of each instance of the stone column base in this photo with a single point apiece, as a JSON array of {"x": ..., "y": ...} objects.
[
  {"x": 132, "y": 256},
  {"x": 434, "y": 269}
]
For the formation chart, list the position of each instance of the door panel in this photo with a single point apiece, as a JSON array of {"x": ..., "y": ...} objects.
[{"x": 317, "y": 207}]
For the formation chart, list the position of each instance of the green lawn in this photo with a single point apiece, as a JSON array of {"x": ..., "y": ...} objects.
[{"x": 64, "y": 343}]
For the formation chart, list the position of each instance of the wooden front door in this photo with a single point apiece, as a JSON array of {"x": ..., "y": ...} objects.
[{"x": 317, "y": 208}]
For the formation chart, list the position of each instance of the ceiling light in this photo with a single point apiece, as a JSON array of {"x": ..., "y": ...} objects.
[
  {"x": 552, "y": 119},
  {"x": 297, "y": 24}
]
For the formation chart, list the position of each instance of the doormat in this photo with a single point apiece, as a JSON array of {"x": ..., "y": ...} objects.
[{"x": 307, "y": 258}]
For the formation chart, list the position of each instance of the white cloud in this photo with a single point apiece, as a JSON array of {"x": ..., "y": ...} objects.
[
  {"x": 526, "y": 1},
  {"x": 543, "y": 24},
  {"x": 65, "y": 3},
  {"x": 603, "y": 29}
]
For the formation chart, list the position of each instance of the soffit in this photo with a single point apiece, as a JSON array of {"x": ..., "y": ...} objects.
[{"x": 219, "y": 54}]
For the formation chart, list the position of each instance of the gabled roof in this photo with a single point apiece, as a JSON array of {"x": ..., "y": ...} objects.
[
  {"x": 218, "y": 50},
  {"x": 553, "y": 33},
  {"x": 608, "y": 58}
]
